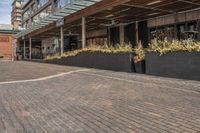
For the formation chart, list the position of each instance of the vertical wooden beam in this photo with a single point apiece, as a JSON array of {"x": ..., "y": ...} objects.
[
  {"x": 83, "y": 32},
  {"x": 121, "y": 34},
  {"x": 30, "y": 48},
  {"x": 175, "y": 25},
  {"x": 136, "y": 33},
  {"x": 61, "y": 40}
]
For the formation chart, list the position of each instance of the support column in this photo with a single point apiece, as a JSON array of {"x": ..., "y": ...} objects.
[
  {"x": 108, "y": 34},
  {"x": 175, "y": 26},
  {"x": 61, "y": 40},
  {"x": 83, "y": 33},
  {"x": 14, "y": 46},
  {"x": 121, "y": 34},
  {"x": 30, "y": 48},
  {"x": 198, "y": 29},
  {"x": 136, "y": 33},
  {"x": 24, "y": 49}
]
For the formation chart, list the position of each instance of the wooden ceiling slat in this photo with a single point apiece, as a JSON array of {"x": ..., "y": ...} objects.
[{"x": 122, "y": 11}]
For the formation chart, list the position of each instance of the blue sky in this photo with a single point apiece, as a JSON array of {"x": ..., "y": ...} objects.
[{"x": 5, "y": 11}]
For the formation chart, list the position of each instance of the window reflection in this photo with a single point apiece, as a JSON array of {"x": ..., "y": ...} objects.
[
  {"x": 41, "y": 2},
  {"x": 47, "y": 11},
  {"x": 61, "y": 3}
]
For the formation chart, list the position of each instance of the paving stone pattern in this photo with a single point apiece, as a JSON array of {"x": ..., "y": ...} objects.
[{"x": 98, "y": 101}]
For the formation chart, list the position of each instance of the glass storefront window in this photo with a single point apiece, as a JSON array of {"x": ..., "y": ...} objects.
[
  {"x": 25, "y": 25},
  {"x": 42, "y": 14},
  {"x": 161, "y": 33},
  {"x": 61, "y": 3},
  {"x": 26, "y": 14},
  {"x": 24, "y": 2},
  {"x": 46, "y": 12},
  {"x": 182, "y": 31},
  {"x": 41, "y": 2},
  {"x": 36, "y": 18},
  {"x": 34, "y": 8}
]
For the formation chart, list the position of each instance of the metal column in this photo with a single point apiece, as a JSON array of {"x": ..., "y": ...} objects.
[
  {"x": 121, "y": 34},
  {"x": 83, "y": 33},
  {"x": 14, "y": 49},
  {"x": 61, "y": 40},
  {"x": 30, "y": 48},
  {"x": 136, "y": 33},
  {"x": 24, "y": 49}
]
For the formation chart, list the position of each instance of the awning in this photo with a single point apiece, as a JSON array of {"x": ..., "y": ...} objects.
[
  {"x": 69, "y": 9},
  {"x": 108, "y": 13}
]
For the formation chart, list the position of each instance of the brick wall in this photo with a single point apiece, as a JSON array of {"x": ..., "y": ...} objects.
[{"x": 6, "y": 45}]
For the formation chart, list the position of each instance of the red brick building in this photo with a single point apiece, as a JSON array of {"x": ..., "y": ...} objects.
[{"x": 6, "y": 43}]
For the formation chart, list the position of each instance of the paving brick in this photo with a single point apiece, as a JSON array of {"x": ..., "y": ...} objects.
[{"x": 95, "y": 101}]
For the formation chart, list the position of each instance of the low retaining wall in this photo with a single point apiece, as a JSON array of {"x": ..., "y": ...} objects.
[
  {"x": 184, "y": 65},
  {"x": 108, "y": 61}
]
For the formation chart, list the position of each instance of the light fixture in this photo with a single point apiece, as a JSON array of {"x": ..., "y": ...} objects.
[
  {"x": 154, "y": 2},
  {"x": 108, "y": 16},
  {"x": 151, "y": 14}
]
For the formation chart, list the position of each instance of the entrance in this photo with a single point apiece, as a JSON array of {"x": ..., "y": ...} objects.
[{"x": 70, "y": 43}]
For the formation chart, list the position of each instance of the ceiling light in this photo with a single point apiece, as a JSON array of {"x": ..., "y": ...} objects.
[
  {"x": 108, "y": 16},
  {"x": 154, "y": 2},
  {"x": 151, "y": 14}
]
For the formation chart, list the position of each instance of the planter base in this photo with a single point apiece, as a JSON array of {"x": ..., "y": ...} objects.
[
  {"x": 183, "y": 65},
  {"x": 140, "y": 67},
  {"x": 107, "y": 61}
]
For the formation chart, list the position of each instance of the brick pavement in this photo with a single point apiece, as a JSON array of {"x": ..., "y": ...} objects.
[
  {"x": 21, "y": 70},
  {"x": 97, "y": 101}
]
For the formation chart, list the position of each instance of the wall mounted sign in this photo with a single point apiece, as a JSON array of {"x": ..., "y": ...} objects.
[{"x": 4, "y": 39}]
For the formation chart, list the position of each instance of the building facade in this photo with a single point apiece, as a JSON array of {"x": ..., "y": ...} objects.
[
  {"x": 33, "y": 12},
  {"x": 100, "y": 22},
  {"x": 36, "y": 10},
  {"x": 16, "y": 14},
  {"x": 7, "y": 41}
]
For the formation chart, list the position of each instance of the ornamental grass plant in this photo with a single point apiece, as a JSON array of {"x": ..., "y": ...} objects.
[
  {"x": 139, "y": 52},
  {"x": 166, "y": 46},
  {"x": 123, "y": 48},
  {"x": 162, "y": 47}
]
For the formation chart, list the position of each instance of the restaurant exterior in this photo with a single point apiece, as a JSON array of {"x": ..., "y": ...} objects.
[
  {"x": 54, "y": 27},
  {"x": 79, "y": 23}
]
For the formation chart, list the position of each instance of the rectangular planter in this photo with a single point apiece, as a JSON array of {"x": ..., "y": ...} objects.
[
  {"x": 184, "y": 65},
  {"x": 140, "y": 67},
  {"x": 108, "y": 61}
]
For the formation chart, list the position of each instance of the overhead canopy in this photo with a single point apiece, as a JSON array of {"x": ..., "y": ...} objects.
[
  {"x": 107, "y": 12},
  {"x": 74, "y": 6}
]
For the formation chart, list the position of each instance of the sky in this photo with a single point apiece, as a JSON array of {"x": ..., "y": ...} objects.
[{"x": 5, "y": 11}]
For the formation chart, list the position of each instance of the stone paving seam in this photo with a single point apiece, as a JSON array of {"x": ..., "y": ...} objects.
[{"x": 44, "y": 78}]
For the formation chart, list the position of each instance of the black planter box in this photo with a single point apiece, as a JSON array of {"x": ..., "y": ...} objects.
[
  {"x": 184, "y": 65},
  {"x": 140, "y": 67},
  {"x": 108, "y": 61}
]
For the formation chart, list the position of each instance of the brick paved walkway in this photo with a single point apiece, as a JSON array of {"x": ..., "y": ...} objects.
[
  {"x": 27, "y": 70},
  {"x": 97, "y": 101}
]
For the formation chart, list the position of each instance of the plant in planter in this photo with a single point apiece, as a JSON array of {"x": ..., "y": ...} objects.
[
  {"x": 164, "y": 47},
  {"x": 124, "y": 48},
  {"x": 102, "y": 57},
  {"x": 139, "y": 59},
  {"x": 178, "y": 59}
]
